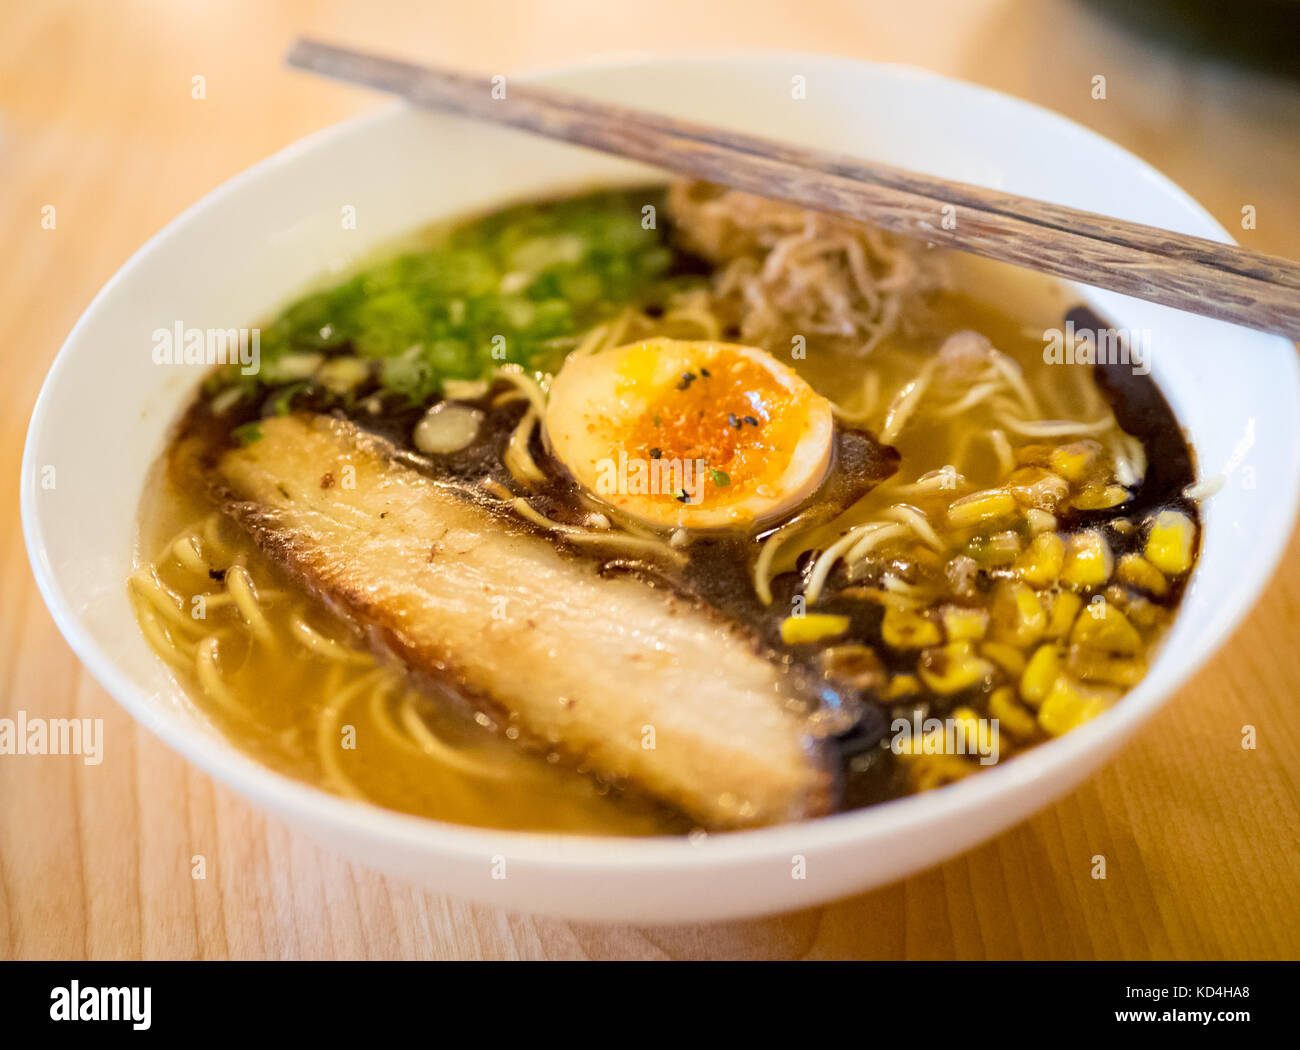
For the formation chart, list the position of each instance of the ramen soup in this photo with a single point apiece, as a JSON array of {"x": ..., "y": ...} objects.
[{"x": 658, "y": 509}]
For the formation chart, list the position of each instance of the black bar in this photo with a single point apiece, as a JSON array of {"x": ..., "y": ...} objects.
[{"x": 608, "y": 1001}]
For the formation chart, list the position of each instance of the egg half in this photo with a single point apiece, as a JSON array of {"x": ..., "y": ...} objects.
[{"x": 690, "y": 434}]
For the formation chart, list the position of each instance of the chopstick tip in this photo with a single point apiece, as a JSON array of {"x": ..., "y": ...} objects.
[{"x": 302, "y": 52}]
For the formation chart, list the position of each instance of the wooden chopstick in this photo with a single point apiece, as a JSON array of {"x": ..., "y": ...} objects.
[{"x": 1190, "y": 273}]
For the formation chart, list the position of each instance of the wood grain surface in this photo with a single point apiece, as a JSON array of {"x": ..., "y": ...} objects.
[{"x": 96, "y": 118}]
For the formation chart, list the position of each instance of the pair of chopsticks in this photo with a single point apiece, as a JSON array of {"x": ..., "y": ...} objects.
[{"x": 1190, "y": 273}]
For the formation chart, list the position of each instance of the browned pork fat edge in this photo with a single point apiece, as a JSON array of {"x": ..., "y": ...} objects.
[{"x": 596, "y": 667}]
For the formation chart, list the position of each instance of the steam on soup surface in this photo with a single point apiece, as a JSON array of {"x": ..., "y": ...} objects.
[{"x": 645, "y": 510}]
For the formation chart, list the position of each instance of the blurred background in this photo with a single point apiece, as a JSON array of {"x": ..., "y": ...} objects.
[{"x": 98, "y": 117}]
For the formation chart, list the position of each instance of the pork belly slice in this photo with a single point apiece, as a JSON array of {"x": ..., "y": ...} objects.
[{"x": 628, "y": 680}]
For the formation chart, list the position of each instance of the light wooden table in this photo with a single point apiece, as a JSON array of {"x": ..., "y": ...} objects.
[{"x": 97, "y": 118}]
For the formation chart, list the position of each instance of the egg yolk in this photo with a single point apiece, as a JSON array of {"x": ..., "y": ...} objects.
[
  {"x": 730, "y": 414},
  {"x": 693, "y": 434}
]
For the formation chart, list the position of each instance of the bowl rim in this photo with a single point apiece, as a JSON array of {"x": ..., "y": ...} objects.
[{"x": 1081, "y": 750}]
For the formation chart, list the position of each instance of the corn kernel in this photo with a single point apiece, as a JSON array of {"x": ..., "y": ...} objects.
[
  {"x": 1096, "y": 666},
  {"x": 1088, "y": 560},
  {"x": 1011, "y": 716},
  {"x": 977, "y": 735},
  {"x": 1135, "y": 570},
  {"x": 1142, "y": 613},
  {"x": 932, "y": 771},
  {"x": 1037, "y": 488},
  {"x": 1043, "y": 669},
  {"x": 964, "y": 624},
  {"x": 953, "y": 667},
  {"x": 1007, "y": 657},
  {"x": 981, "y": 506},
  {"x": 1103, "y": 627},
  {"x": 857, "y": 666},
  {"x": 1018, "y": 616},
  {"x": 1035, "y": 455},
  {"x": 1039, "y": 521},
  {"x": 1065, "y": 606},
  {"x": 996, "y": 551},
  {"x": 1100, "y": 497},
  {"x": 812, "y": 627},
  {"x": 908, "y": 630},
  {"x": 1075, "y": 461},
  {"x": 1070, "y": 704},
  {"x": 1170, "y": 541},
  {"x": 926, "y": 558},
  {"x": 1041, "y": 564},
  {"x": 902, "y": 685}
]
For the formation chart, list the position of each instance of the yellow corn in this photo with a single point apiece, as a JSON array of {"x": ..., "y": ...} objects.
[
  {"x": 1041, "y": 563},
  {"x": 1017, "y": 720},
  {"x": 855, "y": 665},
  {"x": 1102, "y": 667},
  {"x": 964, "y": 624},
  {"x": 1076, "y": 460},
  {"x": 1043, "y": 669},
  {"x": 932, "y": 771},
  {"x": 1170, "y": 541},
  {"x": 1104, "y": 628},
  {"x": 1100, "y": 497},
  {"x": 1141, "y": 612},
  {"x": 1070, "y": 704},
  {"x": 953, "y": 667},
  {"x": 1000, "y": 549},
  {"x": 812, "y": 627},
  {"x": 926, "y": 558},
  {"x": 1065, "y": 606},
  {"x": 902, "y": 685},
  {"x": 981, "y": 506},
  {"x": 1088, "y": 559},
  {"x": 1007, "y": 657},
  {"x": 1135, "y": 570},
  {"x": 903, "y": 629},
  {"x": 1035, "y": 455},
  {"x": 977, "y": 735},
  {"x": 1039, "y": 521},
  {"x": 1018, "y": 616},
  {"x": 1037, "y": 488}
]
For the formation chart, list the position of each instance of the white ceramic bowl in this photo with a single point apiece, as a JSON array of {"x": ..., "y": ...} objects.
[{"x": 105, "y": 410}]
